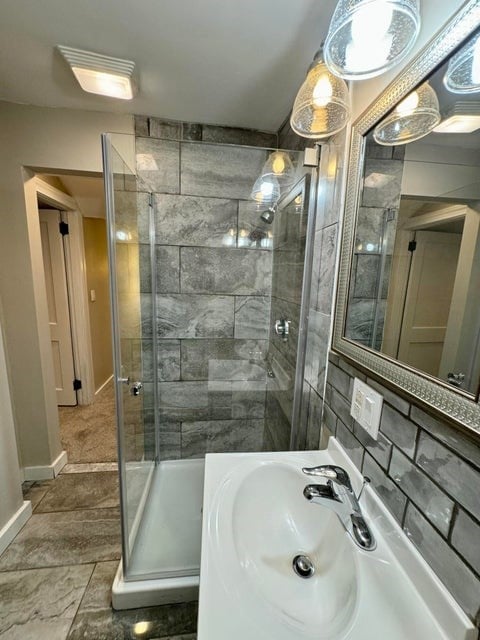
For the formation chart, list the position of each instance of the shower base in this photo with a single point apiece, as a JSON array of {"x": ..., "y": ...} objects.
[{"x": 166, "y": 553}]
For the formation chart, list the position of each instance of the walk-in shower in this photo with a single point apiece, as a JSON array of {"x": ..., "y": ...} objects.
[{"x": 198, "y": 282}]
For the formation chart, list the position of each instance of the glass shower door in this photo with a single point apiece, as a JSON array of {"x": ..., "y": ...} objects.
[
  {"x": 128, "y": 218},
  {"x": 291, "y": 279}
]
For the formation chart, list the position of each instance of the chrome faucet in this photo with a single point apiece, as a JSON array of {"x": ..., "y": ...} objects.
[{"x": 338, "y": 495}]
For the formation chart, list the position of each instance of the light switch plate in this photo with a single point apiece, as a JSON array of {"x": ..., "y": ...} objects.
[{"x": 366, "y": 407}]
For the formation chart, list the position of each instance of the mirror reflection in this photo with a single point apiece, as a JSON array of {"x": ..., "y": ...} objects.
[{"x": 414, "y": 290}]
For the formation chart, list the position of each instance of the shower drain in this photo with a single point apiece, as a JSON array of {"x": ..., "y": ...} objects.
[{"x": 303, "y": 566}]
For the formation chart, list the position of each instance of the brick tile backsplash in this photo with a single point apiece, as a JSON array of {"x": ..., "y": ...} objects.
[
  {"x": 434, "y": 504},
  {"x": 399, "y": 430},
  {"x": 426, "y": 472},
  {"x": 457, "y": 478},
  {"x": 450, "y": 568}
]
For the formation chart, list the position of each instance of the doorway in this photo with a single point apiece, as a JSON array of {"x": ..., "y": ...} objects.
[{"x": 73, "y": 238}]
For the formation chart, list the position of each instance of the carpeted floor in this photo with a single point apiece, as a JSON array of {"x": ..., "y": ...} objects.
[{"x": 89, "y": 433}]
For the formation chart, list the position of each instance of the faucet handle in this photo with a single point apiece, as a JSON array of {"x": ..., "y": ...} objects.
[
  {"x": 366, "y": 480},
  {"x": 332, "y": 472}
]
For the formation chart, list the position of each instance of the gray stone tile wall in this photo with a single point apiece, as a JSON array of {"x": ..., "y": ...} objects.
[
  {"x": 146, "y": 126},
  {"x": 332, "y": 163},
  {"x": 427, "y": 474},
  {"x": 214, "y": 277}
]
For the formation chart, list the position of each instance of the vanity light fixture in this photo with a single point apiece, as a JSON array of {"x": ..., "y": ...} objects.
[
  {"x": 463, "y": 118},
  {"x": 368, "y": 37},
  {"x": 101, "y": 74},
  {"x": 322, "y": 105},
  {"x": 463, "y": 72},
  {"x": 415, "y": 117}
]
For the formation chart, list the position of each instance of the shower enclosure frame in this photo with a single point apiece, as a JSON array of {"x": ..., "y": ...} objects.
[{"x": 306, "y": 185}]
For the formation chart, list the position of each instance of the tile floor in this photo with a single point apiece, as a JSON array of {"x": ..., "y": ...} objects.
[{"x": 56, "y": 575}]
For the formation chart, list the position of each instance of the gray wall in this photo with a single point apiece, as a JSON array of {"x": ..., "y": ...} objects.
[
  {"x": 426, "y": 472},
  {"x": 213, "y": 300}
]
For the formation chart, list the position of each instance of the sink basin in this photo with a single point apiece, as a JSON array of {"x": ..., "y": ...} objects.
[
  {"x": 256, "y": 521},
  {"x": 268, "y": 528}
]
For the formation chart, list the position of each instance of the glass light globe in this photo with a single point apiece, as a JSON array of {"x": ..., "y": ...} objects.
[
  {"x": 368, "y": 37},
  {"x": 266, "y": 190},
  {"x": 413, "y": 118},
  {"x": 463, "y": 72},
  {"x": 322, "y": 105},
  {"x": 280, "y": 166}
]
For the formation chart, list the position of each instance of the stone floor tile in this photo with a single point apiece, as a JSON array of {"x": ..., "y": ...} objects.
[
  {"x": 65, "y": 538},
  {"x": 81, "y": 491},
  {"x": 35, "y": 491},
  {"x": 168, "y": 621},
  {"x": 41, "y": 603}
]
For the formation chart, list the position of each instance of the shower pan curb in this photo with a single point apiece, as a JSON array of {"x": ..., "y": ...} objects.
[{"x": 150, "y": 593}]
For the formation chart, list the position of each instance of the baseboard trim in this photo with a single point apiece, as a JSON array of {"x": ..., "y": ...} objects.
[
  {"x": 102, "y": 386},
  {"x": 13, "y": 526},
  {"x": 48, "y": 471}
]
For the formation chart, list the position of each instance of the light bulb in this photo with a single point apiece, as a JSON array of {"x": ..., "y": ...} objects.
[
  {"x": 322, "y": 92},
  {"x": 278, "y": 164},
  {"x": 408, "y": 104},
  {"x": 476, "y": 63},
  {"x": 266, "y": 189},
  {"x": 360, "y": 55},
  {"x": 371, "y": 22}
]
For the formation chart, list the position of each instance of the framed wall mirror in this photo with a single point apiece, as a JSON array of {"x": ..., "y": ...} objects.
[{"x": 408, "y": 297}]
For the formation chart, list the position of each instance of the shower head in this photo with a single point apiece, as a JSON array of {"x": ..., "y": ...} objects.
[{"x": 268, "y": 215}]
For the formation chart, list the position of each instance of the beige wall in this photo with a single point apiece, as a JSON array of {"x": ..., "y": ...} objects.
[
  {"x": 43, "y": 139},
  {"x": 10, "y": 493},
  {"x": 96, "y": 258}
]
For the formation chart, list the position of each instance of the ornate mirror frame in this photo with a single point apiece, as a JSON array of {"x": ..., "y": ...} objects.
[{"x": 456, "y": 406}]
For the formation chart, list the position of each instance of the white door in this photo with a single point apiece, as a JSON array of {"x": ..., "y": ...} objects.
[
  {"x": 58, "y": 309},
  {"x": 429, "y": 296}
]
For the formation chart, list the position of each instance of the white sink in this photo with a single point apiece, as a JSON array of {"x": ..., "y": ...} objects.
[{"x": 256, "y": 520}]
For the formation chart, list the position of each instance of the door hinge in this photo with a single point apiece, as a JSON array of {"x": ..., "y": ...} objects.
[
  {"x": 77, "y": 385},
  {"x": 63, "y": 228},
  {"x": 412, "y": 245}
]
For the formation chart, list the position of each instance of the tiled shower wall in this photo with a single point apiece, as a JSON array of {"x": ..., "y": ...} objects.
[
  {"x": 213, "y": 284},
  {"x": 426, "y": 471}
]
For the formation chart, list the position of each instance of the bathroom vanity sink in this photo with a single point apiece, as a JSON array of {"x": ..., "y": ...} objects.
[{"x": 256, "y": 521}]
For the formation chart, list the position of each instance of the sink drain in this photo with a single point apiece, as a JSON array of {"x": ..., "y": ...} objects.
[{"x": 303, "y": 566}]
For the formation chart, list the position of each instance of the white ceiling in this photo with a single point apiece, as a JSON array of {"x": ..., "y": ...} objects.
[{"x": 229, "y": 62}]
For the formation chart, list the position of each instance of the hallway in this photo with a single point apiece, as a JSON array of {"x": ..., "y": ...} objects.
[{"x": 88, "y": 433}]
